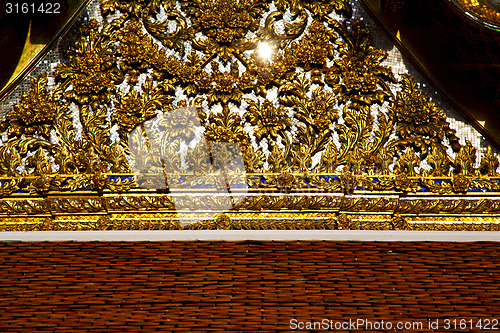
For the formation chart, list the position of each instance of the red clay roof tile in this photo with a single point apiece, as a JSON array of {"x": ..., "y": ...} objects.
[{"x": 241, "y": 286}]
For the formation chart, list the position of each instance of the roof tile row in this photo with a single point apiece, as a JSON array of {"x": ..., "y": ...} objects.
[{"x": 241, "y": 286}]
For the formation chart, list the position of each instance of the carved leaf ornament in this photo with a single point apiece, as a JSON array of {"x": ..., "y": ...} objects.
[{"x": 303, "y": 97}]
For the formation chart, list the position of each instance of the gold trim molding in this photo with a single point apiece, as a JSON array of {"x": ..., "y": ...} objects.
[{"x": 140, "y": 211}]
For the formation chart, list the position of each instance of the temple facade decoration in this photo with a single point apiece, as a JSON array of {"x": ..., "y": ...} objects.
[{"x": 226, "y": 114}]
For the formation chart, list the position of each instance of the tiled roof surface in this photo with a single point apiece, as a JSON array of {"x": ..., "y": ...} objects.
[{"x": 248, "y": 286}]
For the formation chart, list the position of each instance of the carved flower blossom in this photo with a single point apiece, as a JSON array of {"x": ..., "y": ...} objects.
[
  {"x": 225, "y": 126},
  {"x": 225, "y": 88},
  {"x": 413, "y": 106},
  {"x": 225, "y": 23},
  {"x": 460, "y": 183},
  {"x": 91, "y": 69},
  {"x": 134, "y": 7},
  {"x": 224, "y": 82},
  {"x": 36, "y": 112},
  {"x": 359, "y": 76},
  {"x": 135, "y": 108},
  {"x": 315, "y": 49},
  {"x": 325, "y": 7},
  {"x": 246, "y": 80},
  {"x": 129, "y": 112},
  {"x": 203, "y": 80},
  {"x": 361, "y": 69},
  {"x": 267, "y": 119},
  {"x": 138, "y": 51},
  {"x": 321, "y": 109},
  {"x": 416, "y": 113},
  {"x": 178, "y": 123}
]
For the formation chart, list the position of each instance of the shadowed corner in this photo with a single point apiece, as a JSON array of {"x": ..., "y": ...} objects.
[
  {"x": 170, "y": 154},
  {"x": 26, "y": 28}
]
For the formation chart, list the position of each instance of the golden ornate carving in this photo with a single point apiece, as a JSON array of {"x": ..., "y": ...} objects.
[{"x": 334, "y": 104}]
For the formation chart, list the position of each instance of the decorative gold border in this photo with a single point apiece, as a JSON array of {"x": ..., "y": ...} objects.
[
  {"x": 239, "y": 221},
  {"x": 153, "y": 211},
  {"x": 95, "y": 187}
]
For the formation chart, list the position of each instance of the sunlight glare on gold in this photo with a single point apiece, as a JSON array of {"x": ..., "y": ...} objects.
[{"x": 265, "y": 51}]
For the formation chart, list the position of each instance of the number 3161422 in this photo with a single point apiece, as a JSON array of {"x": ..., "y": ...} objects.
[{"x": 32, "y": 8}]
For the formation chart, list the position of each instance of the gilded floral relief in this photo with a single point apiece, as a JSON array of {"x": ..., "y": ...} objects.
[{"x": 319, "y": 113}]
